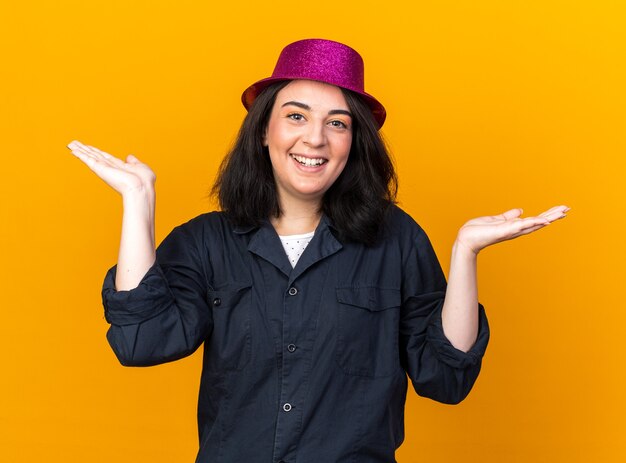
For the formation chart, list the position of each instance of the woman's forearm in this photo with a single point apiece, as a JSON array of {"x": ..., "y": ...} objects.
[
  {"x": 460, "y": 308},
  {"x": 137, "y": 250}
]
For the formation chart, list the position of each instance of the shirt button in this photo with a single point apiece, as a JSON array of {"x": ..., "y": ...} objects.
[
  {"x": 287, "y": 407},
  {"x": 293, "y": 291},
  {"x": 217, "y": 301},
  {"x": 291, "y": 347}
]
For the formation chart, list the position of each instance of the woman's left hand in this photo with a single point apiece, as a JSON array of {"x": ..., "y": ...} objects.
[{"x": 481, "y": 232}]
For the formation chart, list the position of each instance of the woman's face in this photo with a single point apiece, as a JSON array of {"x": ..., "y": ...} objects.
[{"x": 308, "y": 136}]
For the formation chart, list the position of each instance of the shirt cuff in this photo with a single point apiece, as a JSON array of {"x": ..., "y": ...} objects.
[
  {"x": 447, "y": 352},
  {"x": 127, "y": 307}
]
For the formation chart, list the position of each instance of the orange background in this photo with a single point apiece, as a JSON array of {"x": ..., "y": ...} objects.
[{"x": 492, "y": 105}]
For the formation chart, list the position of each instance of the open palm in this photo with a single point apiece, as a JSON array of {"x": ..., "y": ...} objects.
[
  {"x": 123, "y": 177},
  {"x": 481, "y": 232}
]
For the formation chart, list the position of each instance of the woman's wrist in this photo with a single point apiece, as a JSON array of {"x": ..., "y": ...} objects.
[
  {"x": 463, "y": 251},
  {"x": 140, "y": 200}
]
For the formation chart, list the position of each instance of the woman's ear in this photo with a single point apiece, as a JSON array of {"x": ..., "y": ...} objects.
[{"x": 264, "y": 139}]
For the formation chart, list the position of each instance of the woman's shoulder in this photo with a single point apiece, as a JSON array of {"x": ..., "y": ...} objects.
[
  {"x": 205, "y": 224},
  {"x": 407, "y": 234},
  {"x": 207, "y": 219},
  {"x": 399, "y": 221}
]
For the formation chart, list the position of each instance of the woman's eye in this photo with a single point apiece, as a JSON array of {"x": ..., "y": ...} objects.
[
  {"x": 339, "y": 124},
  {"x": 295, "y": 116}
]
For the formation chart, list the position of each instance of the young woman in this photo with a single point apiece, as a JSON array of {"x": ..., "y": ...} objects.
[{"x": 313, "y": 293}]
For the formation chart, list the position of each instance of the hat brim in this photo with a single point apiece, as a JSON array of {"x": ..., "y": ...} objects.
[{"x": 250, "y": 94}]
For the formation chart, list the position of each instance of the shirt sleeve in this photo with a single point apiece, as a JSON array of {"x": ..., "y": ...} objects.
[
  {"x": 436, "y": 368},
  {"x": 166, "y": 317}
]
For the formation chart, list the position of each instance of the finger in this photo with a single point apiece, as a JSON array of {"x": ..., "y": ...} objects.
[
  {"x": 94, "y": 160},
  {"x": 99, "y": 152},
  {"x": 512, "y": 214},
  {"x": 527, "y": 231},
  {"x": 519, "y": 226},
  {"x": 555, "y": 213},
  {"x": 119, "y": 163},
  {"x": 532, "y": 222},
  {"x": 73, "y": 144},
  {"x": 78, "y": 147},
  {"x": 132, "y": 159},
  {"x": 109, "y": 157},
  {"x": 554, "y": 219},
  {"x": 96, "y": 154},
  {"x": 83, "y": 153},
  {"x": 531, "y": 226},
  {"x": 551, "y": 211},
  {"x": 82, "y": 148},
  {"x": 90, "y": 161},
  {"x": 555, "y": 210}
]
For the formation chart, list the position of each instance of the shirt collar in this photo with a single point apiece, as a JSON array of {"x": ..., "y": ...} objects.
[
  {"x": 264, "y": 242},
  {"x": 243, "y": 229}
]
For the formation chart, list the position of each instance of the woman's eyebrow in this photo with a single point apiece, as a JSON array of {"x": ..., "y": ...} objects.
[
  {"x": 340, "y": 111},
  {"x": 308, "y": 108},
  {"x": 298, "y": 104}
]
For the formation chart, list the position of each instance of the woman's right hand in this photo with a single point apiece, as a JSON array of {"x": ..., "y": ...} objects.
[{"x": 132, "y": 176}]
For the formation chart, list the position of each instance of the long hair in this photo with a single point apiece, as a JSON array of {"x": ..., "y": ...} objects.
[{"x": 357, "y": 201}]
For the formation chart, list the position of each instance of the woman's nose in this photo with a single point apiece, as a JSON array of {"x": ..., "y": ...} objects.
[{"x": 314, "y": 134}]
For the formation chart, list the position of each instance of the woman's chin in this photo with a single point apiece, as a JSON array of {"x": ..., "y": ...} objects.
[{"x": 306, "y": 193}]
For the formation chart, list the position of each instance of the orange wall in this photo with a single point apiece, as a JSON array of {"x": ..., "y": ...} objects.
[{"x": 492, "y": 105}]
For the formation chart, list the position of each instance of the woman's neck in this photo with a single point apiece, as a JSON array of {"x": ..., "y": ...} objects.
[{"x": 297, "y": 218}]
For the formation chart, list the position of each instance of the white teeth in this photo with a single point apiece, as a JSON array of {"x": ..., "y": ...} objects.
[{"x": 308, "y": 161}]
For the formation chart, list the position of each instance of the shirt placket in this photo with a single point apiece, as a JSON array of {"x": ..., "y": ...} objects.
[
  {"x": 292, "y": 378},
  {"x": 299, "y": 312}
]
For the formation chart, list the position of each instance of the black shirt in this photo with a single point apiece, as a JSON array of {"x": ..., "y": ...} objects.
[{"x": 301, "y": 365}]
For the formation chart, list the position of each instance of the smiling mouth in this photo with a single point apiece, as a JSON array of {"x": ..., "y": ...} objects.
[{"x": 310, "y": 162}]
